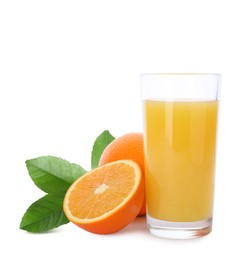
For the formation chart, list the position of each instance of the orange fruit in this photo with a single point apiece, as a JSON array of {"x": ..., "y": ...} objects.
[
  {"x": 106, "y": 199},
  {"x": 130, "y": 147}
]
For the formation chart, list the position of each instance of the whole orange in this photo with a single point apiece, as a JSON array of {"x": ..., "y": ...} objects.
[{"x": 129, "y": 147}]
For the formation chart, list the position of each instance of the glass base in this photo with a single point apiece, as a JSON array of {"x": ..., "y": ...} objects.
[{"x": 179, "y": 230}]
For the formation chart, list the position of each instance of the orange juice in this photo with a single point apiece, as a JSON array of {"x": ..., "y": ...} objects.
[{"x": 180, "y": 139}]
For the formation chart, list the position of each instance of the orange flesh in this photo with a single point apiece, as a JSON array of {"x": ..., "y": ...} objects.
[{"x": 101, "y": 191}]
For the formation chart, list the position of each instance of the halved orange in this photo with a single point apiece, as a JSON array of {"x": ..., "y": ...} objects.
[{"x": 106, "y": 199}]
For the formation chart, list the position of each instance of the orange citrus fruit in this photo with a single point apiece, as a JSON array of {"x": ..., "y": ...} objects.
[
  {"x": 106, "y": 199},
  {"x": 130, "y": 147}
]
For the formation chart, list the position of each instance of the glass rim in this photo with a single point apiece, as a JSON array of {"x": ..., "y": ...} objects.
[
  {"x": 181, "y": 74},
  {"x": 180, "y": 86}
]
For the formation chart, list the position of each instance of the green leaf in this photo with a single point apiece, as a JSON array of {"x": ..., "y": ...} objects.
[
  {"x": 102, "y": 141},
  {"x": 44, "y": 214},
  {"x": 52, "y": 174}
]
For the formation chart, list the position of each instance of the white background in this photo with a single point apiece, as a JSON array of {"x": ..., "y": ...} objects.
[{"x": 70, "y": 69}]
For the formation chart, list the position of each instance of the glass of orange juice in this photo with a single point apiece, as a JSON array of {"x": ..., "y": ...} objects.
[{"x": 180, "y": 122}]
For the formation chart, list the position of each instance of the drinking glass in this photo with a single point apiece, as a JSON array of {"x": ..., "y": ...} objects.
[{"x": 180, "y": 121}]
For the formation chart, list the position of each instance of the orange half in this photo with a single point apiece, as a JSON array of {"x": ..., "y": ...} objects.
[{"x": 107, "y": 198}]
